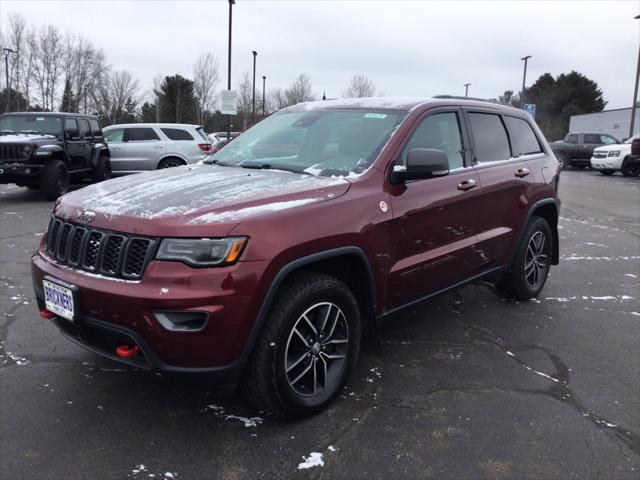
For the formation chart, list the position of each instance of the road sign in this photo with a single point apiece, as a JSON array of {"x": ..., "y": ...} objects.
[
  {"x": 229, "y": 102},
  {"x": 530, "y": 108}
]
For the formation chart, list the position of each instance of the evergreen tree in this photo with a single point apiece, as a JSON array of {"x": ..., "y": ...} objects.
[{"x": 68, "y": 102}]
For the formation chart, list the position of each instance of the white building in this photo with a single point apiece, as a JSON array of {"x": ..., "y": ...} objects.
[{"x": 615, "y": 122}]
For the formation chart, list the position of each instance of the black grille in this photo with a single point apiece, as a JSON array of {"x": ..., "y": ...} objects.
[
  {"x": 99, "y": 251},
  {"x": 15, "y": 152}
]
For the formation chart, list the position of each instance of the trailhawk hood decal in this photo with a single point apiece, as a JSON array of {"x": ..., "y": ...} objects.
[{"x": 194, "y": 200}]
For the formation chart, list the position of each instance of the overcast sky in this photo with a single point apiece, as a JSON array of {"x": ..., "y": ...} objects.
[{"x": 418, "y": 48}]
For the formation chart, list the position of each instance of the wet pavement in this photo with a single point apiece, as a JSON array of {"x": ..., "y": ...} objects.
[{"x": 467, "y": 385}]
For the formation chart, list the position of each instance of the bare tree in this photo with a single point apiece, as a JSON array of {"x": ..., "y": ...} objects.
[
  {"x": 111, "y": 94},
  {"x": 205, "y": 80},
  {"x": 17, "y": 42},
  {"x": 244, "y": 98},
  {"x": 360, "y": 86},
  {"x": 48, "y": 50},
  {"x": 299, "y": 91}
]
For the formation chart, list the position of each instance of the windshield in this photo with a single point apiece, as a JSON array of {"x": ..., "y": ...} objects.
[
  {"x": 319, "y": 142},
  {"x": 46, "y": 124}
]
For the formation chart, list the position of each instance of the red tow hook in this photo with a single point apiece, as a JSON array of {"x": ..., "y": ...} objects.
[
  {"x": 125, "y": 351},
  {"x": 47, "y": 314}
]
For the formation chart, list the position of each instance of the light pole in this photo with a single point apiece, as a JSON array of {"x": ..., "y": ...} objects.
[
  {"x": 635, "y": 92},
  {"x": 264, "y": 83},
  {"x": 6, "y": 52},
  {"x": 231, "y": 3},
  {"x": 253, "y": 97},
  {"x": 524, "y": 78},
  {"x": 466, "y": 89}
]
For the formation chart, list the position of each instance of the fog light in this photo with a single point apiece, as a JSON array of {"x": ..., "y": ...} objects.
[
  {"x": 27, "y": 170},
  {"x": 182, "y": 321}
]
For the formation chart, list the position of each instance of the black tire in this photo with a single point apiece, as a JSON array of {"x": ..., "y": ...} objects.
[
  {"x": 32, "y": 186},
  {"x": 630, "y": 168},
  {"x": 171, "y": 162},
  {"x": 102, "y": 171},
  {"x": 54, "y": 179},
  {"x": 529, "y": 269},
  {"x": 607, "y": 172},
  {"x": 268, "y": 380}
]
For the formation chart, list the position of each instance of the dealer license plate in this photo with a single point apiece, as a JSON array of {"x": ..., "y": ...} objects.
[{"x": 58, "y": 299}]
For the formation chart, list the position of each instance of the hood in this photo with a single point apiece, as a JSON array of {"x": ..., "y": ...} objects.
[
  {"x": 194, "y": 200},
  {"x": 24, "y": 137},
  {"x": 618, "y": 146}
]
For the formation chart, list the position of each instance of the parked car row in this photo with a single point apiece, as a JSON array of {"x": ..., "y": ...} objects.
[
  {"x": 610, "y": 159},
  {"x": 49, "y": 150}
]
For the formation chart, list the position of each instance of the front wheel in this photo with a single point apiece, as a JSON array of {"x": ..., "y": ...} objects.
[
  {"x": 530, "y": 266},
  {"x": 55, "y": 179},
  {"x": 102, "y": 171},
  {"x": 607, "y": 172},
  {"x": 307, "y": 348}
]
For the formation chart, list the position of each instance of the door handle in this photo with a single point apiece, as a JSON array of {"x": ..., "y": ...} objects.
[
  {"x": 522, "y": 172},
  {"x": 467, "y": 184},
  {"x": 157, "y": 146}
]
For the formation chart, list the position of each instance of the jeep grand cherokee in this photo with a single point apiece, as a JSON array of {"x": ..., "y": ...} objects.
[{"x": 264, "y": 265}]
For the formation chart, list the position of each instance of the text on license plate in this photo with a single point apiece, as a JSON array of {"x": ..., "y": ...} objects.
[{"x": 58, "y": 299}]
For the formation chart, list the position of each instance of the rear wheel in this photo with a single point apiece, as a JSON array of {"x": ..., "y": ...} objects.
[
  {"x": 170, "y": 162},
  {"x": 629, "y": 168},
  {"x": 530, "y": 267},
  {"x": 607, "y": 172},
  {"x": 55, "y": 179},
  {"x": 307, "y": 348}
]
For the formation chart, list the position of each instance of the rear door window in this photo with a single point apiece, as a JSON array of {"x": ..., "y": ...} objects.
[
  {"x": 85, "y": 132},
  {"x": 523, "y": 139},
  {"x": 95, "y": 128},
  {"x": 490, "y": 137},
  {"x": 591, "y": 138},
  {"x": 141, "y": 134},
  {"x": 177, "y": 134}
]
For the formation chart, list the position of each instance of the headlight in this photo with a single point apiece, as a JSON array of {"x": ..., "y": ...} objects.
[
  {"x": 43, "y": 153},
  {"x": 202, "y": 252},
  {"x": 614, "y": 153}
]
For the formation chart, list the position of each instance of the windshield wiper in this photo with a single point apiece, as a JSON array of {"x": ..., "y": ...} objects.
[
  {"x": 6, "y": 132},
  {"x": 269, "y": 166},
  {"x": 30, "y": 131},
  {"x": 215, "y": 161}
]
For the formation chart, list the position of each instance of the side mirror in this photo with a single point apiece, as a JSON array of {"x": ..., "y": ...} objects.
[{"x": 421, "y": 163}]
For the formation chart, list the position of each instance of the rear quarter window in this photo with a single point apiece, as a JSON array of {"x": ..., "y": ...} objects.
[
  {"x": 177, "y": 134},
  {"x": 523, "y": 139}
]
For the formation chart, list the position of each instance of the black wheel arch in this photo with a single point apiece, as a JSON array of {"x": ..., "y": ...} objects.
[
  {"x": 347, "y": 264},
  {"x": 548, "y": 209}
]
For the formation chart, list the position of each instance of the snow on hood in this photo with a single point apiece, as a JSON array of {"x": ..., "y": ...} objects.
[
  {"x": 23, "y": 137},
  {"x": 195, "y": 197},
  {"x": 615, "y": 147}
]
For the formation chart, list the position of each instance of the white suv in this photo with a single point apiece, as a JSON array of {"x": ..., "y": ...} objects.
[
  {"x": 138, "y": 147},
  {"x": 608, "y": 159}
]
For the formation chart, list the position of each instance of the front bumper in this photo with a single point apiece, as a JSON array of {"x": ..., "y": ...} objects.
[
  {"x": 19, "y": 172},
  {"x": 607, "y": 163},
  {"x": 112, "y": 312}
]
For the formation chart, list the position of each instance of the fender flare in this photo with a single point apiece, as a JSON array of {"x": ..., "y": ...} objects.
[
  {"x": 286, "y": 270},
  {"x": 98, "y": 150},
  {"x": 554, "y": 231}
]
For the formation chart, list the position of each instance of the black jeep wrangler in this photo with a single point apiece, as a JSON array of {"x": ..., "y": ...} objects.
[{"x": 48, "y": 150}]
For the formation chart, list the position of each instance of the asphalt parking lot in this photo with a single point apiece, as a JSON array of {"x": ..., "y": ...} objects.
[{"x": 468, "y": 385}]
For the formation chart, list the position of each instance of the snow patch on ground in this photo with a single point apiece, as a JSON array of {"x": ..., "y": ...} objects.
[
  {"x": 313, "y": 460},
  {"x": 219, "y": 411}
]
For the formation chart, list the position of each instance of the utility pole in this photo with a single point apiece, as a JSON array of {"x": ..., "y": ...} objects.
[
  {"x": 264, "y": 83},
  {"x": 635, "y": 92},
  {"x": 253, "y": 97},
  {"x": 466, "y": 89},
  {"x": 6, "y": 52},
  {"x": 231, "y": 3},
  {"x": 524, "y": 78}
]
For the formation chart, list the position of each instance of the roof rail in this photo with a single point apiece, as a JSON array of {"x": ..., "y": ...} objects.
[{"x": 460, "y": 97}]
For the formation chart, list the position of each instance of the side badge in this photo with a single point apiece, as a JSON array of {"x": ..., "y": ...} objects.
[{"x": 384, "y": 207}]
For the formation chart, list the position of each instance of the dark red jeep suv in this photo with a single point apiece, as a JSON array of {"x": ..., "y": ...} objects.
[{"x": 263, "y": 265}]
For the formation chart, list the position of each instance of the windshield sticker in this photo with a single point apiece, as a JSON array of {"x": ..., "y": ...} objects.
[
  {"x": 40, "y": 119},
  {"x": 375, "y": 115}
]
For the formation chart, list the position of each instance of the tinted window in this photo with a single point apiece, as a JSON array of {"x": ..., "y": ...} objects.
[
  {"x": 441, "y": 132},
  {"x": 84, "y": 129},
  {"x": 571, "y": 139},
  {"x": 141, "y": 134},
  {"x": 523, "y": 140},
  {"x": 591, "y": 138},
  {"x": 115, "y": 135},
  {"x": 71, "y": 125},
  {"x": 492, "y": 143},
  {"x": 177, "y": 134},
  {"x": 95, "y": 128}
]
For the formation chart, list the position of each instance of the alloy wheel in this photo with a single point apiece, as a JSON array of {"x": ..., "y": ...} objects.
[
  {"x": 316, "y": 350},
  {"x": 535, "y": 260}
]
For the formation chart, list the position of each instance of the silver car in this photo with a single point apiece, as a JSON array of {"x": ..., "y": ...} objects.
[{"x": 138, "y": 147}]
